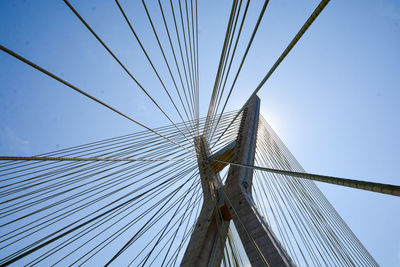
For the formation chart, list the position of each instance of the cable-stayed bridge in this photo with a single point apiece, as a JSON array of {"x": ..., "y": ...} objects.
[{"x": 139, "y": 199}]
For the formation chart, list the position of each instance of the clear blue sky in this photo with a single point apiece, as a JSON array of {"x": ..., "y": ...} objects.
[{"x": 334, "y": 101}]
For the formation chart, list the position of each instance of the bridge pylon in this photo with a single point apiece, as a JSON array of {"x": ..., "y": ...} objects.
[{"x": 232, "y": 201}]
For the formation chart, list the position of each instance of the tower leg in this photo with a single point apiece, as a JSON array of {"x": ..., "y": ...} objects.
[
  {"x": 206, "y": 245},
  {"x": 261, "y": 245}
]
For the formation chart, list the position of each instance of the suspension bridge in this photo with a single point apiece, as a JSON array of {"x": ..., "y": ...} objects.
[{"x": 216, "y": 190}]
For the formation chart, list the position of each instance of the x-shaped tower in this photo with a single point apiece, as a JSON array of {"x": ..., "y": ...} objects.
[{"x": 232, "y": 201}]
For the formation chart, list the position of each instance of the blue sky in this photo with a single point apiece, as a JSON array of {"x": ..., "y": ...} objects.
[{"x": 334, "y": 101}]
